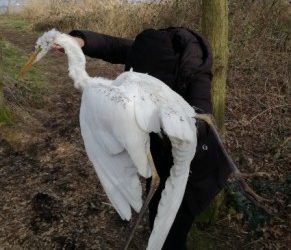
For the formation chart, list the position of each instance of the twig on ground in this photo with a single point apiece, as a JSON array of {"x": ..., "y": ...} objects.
[
  {"x": 261, "y": 113},
  {"x": 252, "y": 175}
]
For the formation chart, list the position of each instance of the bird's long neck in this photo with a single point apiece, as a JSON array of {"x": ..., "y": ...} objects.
[{"x": 77, "y": 64}]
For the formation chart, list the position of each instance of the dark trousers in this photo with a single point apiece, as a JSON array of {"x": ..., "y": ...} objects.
[{"x": 177, "y": 237}]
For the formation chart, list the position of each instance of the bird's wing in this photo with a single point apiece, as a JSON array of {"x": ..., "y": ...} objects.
[
  {"x": 100, "y": 119},
  {"x": 156, "y": 107}
]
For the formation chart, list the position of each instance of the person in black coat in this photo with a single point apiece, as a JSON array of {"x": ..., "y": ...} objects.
[{"x": 182, "y": 59}]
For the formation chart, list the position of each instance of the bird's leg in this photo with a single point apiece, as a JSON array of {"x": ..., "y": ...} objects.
[
  {"x": 154, "y": 186},
  {"x": 209, "y": 119},
  {"x": 246, "y": 189}
]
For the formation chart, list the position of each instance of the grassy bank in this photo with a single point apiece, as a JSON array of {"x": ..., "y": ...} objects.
[
  {"x": 22, "y": 93},
  {"x": 15, "y": 21}
]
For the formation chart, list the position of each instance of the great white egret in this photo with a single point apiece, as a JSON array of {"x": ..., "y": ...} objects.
[{"x": 116, "y": 117}]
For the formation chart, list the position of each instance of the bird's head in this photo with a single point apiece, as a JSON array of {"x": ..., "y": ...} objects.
[{"x": 42, "y": 47}]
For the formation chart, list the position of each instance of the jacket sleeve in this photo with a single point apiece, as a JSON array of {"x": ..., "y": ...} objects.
[
  {"x": 198, "y": 78},
  {"x": 199, "y": 88},
  {"x": 194, "y": 74},
  {"x": 105, "y": 47}
]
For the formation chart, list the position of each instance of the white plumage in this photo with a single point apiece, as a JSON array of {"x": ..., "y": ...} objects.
[{"x": 116, "y": 117}]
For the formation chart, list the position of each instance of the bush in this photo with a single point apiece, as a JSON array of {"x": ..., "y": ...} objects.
[{"x": 113, "y": 17}]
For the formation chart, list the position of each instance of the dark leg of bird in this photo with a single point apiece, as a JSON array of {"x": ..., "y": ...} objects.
[
  {"x": 154, "y": 186},
  {"x": 210, "y": 120},
  {"x": 247, "y": 190}
]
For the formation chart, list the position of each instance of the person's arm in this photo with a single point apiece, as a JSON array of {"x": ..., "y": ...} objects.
[
  {"x": 195, "y": 69},
  {"x": 105, "y": 47},
  {"x": 199, "y": 96},
  {"x": 197, "y": 72}
]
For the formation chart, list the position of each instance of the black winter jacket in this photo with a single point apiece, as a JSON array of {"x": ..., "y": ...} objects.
[{"x": 182, "y": 59}]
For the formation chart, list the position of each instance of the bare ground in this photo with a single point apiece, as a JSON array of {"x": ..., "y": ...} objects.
[
  {"x": 51, "y": 198},
  {"x": 50, "y": 195}
]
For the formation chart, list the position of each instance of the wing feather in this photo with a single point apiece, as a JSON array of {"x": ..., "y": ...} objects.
[
  {"x": 115, "y": 169},
  {"x": 156, "y": 106}
]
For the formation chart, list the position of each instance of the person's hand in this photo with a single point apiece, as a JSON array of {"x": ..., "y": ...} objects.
[{"x": 58, "y": 47}]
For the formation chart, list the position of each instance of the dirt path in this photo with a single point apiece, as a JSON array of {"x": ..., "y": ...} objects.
[{"x": 50, "y": 196}]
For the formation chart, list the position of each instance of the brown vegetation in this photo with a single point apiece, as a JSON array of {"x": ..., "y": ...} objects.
[
  {"x": 113, "y": 17},
  {"x": 257, "y": 128}
]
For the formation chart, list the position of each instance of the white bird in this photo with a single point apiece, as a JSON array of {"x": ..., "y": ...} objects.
[{"x": 116, "y": 117}]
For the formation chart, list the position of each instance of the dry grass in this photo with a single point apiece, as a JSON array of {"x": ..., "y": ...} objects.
[
  {"x": 258, "y": 82},
  {"x": 112, "y": 17}
]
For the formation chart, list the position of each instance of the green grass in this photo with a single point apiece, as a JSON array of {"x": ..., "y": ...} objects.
[
  {"x": 14, "y": 21},
  {"x": 13, "y": 58},
  {"x": 5, "y": 115},
  {"x": 27, "y": 91}
]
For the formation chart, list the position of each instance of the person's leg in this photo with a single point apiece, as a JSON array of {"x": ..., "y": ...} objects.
[
  {"x": 153, "y": 205},
  {"x": 177, "y": 237},
  {"x": 162, "y": 155}
]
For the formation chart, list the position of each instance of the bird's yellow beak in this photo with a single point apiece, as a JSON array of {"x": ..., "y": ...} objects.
[{"x": 28, "y": 63}]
